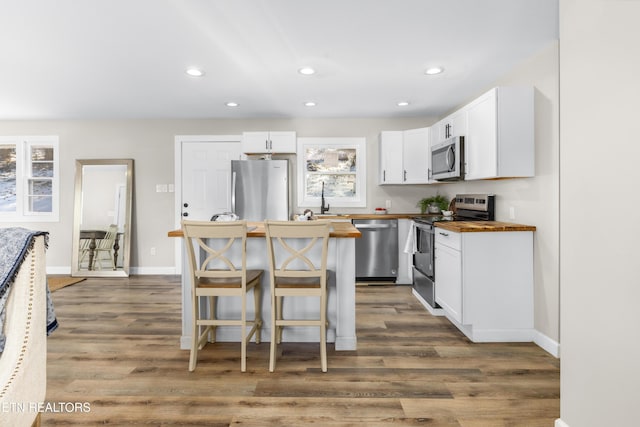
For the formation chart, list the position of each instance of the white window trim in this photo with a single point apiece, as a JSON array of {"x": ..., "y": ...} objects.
[
  {"x": 357, "y": 143},
  {"x": 23, "y": 145}
]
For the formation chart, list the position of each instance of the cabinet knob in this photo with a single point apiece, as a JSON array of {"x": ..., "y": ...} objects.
[
  {"x": 185, "y": 214},
  {"x": 186, "y": 205}
]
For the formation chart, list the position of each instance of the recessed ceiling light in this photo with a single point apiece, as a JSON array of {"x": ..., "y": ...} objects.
[
  {"x": 309, "y": 104},
  {"x": 231, "y": 104},
  {"x": 403, "y": 103},
  {"x": 307, "y": 71},
  {"x": 434, "y": 70},
  {"x": 195, "y": 72}
]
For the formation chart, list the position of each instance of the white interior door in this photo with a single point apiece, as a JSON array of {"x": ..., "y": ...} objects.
[
  {"x": 206, "y": 178},
  {"x": 202, "y": 182}
]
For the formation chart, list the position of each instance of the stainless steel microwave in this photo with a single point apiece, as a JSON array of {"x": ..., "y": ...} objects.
[{"x": 447, "y": 159}]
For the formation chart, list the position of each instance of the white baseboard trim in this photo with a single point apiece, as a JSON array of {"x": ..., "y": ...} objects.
[
  {"x": 58, "y": 270},
  {"x": 159, "y": 271},
  {"x": 501, "y": 335},
  {"x": 547, "y": 344},
  {"x": 560, "y": 423}
]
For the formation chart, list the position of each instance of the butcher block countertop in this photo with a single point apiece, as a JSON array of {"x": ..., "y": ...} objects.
[
  {"x": 484, "y": 226},
  {"x": 256, "y": 229}
]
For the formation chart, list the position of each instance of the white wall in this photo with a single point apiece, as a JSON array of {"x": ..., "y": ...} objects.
[{"x": 600, "y": 148}]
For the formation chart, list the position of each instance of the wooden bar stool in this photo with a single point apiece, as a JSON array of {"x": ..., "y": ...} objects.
[
  {"x": 217, "y": 276},
  {"x": 294, "y": 274}
]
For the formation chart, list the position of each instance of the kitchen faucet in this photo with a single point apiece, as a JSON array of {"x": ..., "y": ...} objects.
[{"x": 323, "y": 208}]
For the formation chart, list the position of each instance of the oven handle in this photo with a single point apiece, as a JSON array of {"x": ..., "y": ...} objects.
[{"x": 428, "y": 229}]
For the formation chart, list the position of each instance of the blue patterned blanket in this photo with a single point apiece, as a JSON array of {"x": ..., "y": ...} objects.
[{"x": 15, "y": 243}]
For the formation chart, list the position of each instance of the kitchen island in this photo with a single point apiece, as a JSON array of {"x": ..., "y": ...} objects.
[{"x": 341, "y": 304}]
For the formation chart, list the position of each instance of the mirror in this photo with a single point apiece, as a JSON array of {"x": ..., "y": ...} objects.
[{"x": 102, "y": 218}]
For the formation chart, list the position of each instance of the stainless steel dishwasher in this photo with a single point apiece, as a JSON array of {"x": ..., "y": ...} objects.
[{"x": 377, "y": 249}]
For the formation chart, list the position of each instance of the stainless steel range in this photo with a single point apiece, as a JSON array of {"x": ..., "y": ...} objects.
[{"x": 468, "y": 207}]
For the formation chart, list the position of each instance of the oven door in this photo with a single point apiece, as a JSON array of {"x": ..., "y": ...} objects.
[
  {"x": 447, "y": 159},
  {"x": 423, "y": 257}
]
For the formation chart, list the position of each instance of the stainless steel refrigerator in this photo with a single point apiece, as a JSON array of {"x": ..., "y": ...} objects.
[{"x": 260, "y": 189}]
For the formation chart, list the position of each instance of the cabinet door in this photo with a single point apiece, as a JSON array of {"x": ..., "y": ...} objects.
[
  {"x": 481, "y": 142},
  {"x": 282, "y": 142},
  {"x": 458, "y": 123},
  {"x": 391, "y": 171},
  {"x": 255, "y": 142},
  {"x": 416, "y": 156},
  {"x": 448, "y": 272}
]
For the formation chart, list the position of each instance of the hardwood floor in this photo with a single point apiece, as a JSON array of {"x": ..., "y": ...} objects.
[{"x": 117, "y": 349}]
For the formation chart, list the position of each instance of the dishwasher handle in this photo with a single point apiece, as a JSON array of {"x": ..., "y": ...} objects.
[{"x": 372, "y": 226}]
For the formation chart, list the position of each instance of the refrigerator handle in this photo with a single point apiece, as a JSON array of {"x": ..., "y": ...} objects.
[{"x": 233, "y": 192}]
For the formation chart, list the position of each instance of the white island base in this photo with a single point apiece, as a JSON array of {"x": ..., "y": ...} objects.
[{"x": 341, "y": 304}]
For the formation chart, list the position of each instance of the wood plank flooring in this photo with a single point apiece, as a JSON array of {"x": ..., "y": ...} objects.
[{"x": 117, "y": 349}]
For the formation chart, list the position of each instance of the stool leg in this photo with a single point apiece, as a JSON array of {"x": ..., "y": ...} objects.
[
  {"x": 323, "y": 332},
  {"x": 257, "y": 302},
  {"x": 212, "y": 316},
  {"x": 195, "y": 334},
  {"x": 279, "y": 316},
  {"x": 272, "y": 348},
  {"x": 243, "y": 335}
]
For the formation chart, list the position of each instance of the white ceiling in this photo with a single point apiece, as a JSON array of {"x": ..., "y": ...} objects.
[{"x": 127, "y": 58}]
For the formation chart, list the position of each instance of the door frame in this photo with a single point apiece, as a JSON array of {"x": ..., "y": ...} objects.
[{"x": 179, "y": 139}]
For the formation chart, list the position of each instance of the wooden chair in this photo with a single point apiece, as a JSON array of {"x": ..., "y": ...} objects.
[
  {"x": 84, "y": 250},
  {"x": 216, "y": 275},
  {"x": 294, "y": 274},
  {"x": 104, "y": 248}
]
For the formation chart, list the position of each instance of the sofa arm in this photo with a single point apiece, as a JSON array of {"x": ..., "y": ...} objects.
[{"x": 23, "y": 363}]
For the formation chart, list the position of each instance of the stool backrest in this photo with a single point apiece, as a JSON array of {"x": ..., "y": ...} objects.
[
  {"x": 218, "y": 261},
  {"x": 291, "y": 244}
]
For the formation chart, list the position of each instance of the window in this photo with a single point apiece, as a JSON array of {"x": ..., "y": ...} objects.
[
  {"x": 29, "y": 178},
  {"x": 337, "y": 165}
]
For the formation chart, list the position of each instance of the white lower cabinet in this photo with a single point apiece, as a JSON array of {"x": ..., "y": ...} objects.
[
  {"x": 484, "y": 283},
  {"x": 449, "y": 267}
]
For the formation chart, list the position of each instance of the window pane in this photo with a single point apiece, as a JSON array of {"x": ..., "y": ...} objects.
[
  {"x": 42, "y": 170},
  {"x": 342, "y": 185},
  {"x": 41, "y": 154},
  {"x": 42, "y": 162},
  {"x": 330, "y": 159},
  {"x": 7, "y": 178},
  {"x": 40, "y": 192},
  {"x": 40, "y": 204}
]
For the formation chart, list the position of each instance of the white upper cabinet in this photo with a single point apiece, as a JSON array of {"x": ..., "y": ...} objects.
[
  {"x": 416, "y": 156},
  {"x": 269, "y": 142},
  {"x": 404, "y": 157},
  {"x": 391, "y": 149},
  {"x": 499, "y": 142},
  {"x": 453, "y": 125}
]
